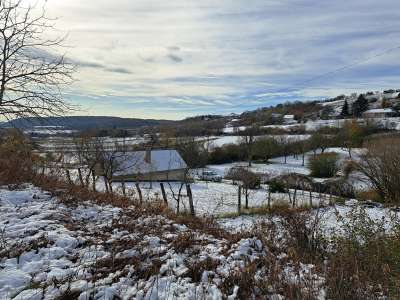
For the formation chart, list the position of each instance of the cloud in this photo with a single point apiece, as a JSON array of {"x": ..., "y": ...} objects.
[
  {"x": 175, "y": 58},
  {"x": 94, "y": 65},
  {"x": 192, "y": 57}
]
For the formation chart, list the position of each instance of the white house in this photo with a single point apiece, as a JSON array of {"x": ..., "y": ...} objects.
[{"x": 379, "y": 113}]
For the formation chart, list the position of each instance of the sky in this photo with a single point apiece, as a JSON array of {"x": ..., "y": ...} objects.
[{"x": 178, "y": 58}]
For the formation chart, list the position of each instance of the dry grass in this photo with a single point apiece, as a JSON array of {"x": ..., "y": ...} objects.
[{"x": 369, "y": 195}]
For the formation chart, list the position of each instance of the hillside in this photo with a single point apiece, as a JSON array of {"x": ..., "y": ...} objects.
[{"x": 84, "y": 122}]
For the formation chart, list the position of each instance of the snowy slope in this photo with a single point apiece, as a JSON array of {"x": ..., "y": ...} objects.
[{"x": 86, "y": 251}]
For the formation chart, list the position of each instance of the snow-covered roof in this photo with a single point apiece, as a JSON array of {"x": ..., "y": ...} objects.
[
  {"x": 380, "y": 110},
  {"x": 288, "y": 116},
  {"x": 135, "y": 162}
]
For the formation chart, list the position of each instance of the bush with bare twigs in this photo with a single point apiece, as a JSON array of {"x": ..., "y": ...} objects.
[
  {"x": 324, "y": 165},
  {"x": 381, "y": 165},
  {"x": 16, "y": 158}
]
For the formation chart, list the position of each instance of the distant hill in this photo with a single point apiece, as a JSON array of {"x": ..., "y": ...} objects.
[{"x": 84, "y": 122}]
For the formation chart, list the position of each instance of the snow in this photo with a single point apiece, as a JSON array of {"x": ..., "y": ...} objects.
[
  {"x": 233, "y": 129},
  {"x": 237, "y": 139},
  {"x": 313, "y": 125},
  {"x": 380, "y": 110},
  {"x": 60, "y": 248}
]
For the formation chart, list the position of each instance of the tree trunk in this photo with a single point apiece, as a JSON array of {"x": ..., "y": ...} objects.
[
  {"x": 163, "y": 193},
  {"x": 310, "y": 199},
  {"x": 190, "y": 196}
]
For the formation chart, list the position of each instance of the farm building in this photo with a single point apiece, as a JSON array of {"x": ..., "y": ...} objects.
[
  {"x": 149, "y": 165},
  {"x": 379, "y": 113}
]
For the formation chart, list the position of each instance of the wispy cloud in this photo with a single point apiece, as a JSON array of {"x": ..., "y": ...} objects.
[{"x": 190, "y": 57}]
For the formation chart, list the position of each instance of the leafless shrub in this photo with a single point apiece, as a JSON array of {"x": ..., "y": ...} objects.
[
  {"x": 365, "y": 262},
  {"x": 16, "y": 158},
  {"x": 197, "y": 267},
  {"x": 381, "y": 165}
]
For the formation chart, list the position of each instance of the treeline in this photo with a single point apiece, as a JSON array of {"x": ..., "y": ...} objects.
[{"x": 254, "y": 148}]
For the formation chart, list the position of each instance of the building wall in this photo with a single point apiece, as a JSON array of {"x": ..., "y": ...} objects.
[{"x": 171, "y": 175}]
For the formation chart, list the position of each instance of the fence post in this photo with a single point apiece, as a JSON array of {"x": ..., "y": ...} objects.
[
  {"x": 94, "y": 181},
  {"x": 247, "y": 197},
  {"x": 190, "y": 196},
  {"x": 139, "y": 192},
  {"x": 123, "y": 188},
  {"x": 68, "y": 176},
  {"x": 163, "y": 193},
  {"x": 106, "y": 184},
  {"x": 269, "y": 198},
  {"x": 239, "y": 199},
  {"x": 80, "y": 177}
]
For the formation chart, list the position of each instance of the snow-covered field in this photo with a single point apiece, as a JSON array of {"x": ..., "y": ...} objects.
[
  {"x": 57, "y": 143},
  {"x": 237, "y": 139},
  {"x": 294, "y": 164},
  {"x": 392, "y": 123},
  {"x": 220, "y": 198},
  {"x": 212, "y": 198}
]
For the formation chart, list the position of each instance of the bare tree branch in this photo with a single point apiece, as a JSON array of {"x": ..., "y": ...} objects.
[{"x": 31, "y": 73}]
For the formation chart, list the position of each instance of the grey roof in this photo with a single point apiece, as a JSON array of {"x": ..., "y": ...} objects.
[
  {"x": 380, "y": 110},
  {"x": 129, "y": 163}
]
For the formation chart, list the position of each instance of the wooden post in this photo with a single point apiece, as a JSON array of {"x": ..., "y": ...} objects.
[
  {"x": 163, "y": 193},
  {"x": 269, "y": 198},
  {"x": 239, "y": 199},
  {"x": 93, "y": 181},
  {"x": 139, "y": 192},
  {"x": 294, "y": 197},
  {"x": 110, "y": 186},
  {"x": 80, "y": 177},
  {"x": 310, "y": 199},
  {"x": 247, "y": 197},
  {"x": 190, "y": 196},
  {"x": 68, "y": 176},
  {"x": 106, "y": 184},
  {"x": 123, "y": 188}
]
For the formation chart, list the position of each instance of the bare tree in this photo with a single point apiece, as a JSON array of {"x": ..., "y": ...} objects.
[
  {"x": 284, "y": 145},
  {"x": 31, "y": 72},
  {"x": 89, "y": 151},
  {"x": 248, "y": 140}
]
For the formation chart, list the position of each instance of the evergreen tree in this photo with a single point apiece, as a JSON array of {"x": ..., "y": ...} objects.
[
  {"x": 360, "y": 105},
  {"x": 345, "y": 109}
]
